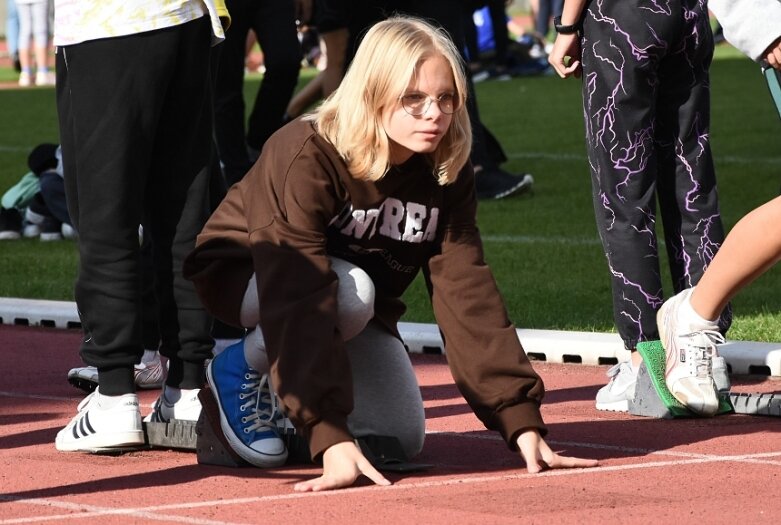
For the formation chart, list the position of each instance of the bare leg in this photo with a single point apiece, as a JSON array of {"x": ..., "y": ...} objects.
[
  {"x": 25, "y": 58},
  {"x": 336, "y": 52},
  {"x": 308, "y": 95},
  {"x": 326, "y": 82},
  {"x": 41, "y": 58},
  {"x": 750, "y": 249}
]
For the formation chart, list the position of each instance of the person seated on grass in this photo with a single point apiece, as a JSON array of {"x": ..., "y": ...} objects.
[
  {"x": 36, "y": 206},
  {"x": 317, "y": 244}
]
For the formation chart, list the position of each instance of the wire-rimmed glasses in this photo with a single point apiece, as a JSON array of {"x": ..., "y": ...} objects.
[{"x": 417, "y": 104}]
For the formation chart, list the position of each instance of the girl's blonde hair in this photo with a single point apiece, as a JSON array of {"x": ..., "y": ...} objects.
[{"x": 384, "y": 65}]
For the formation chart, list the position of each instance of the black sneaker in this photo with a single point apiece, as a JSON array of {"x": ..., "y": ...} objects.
[
  {"x": 51, "y": 229},
  {"x": 10, "y": 224},
  {"x": 498, "y": 184},
  {"x": 41, "y": 223}
]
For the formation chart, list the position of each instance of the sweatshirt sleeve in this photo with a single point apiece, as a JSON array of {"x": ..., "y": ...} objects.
[
  {"x": 749, "y": 25},
  {"x": 289, "y": 211},
  {"x": 485, "y": 356}
]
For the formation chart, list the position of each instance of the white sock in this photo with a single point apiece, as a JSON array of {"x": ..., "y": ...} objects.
[
  {"x": 632, "y": 366},
  {"x": 172, "y": 395},
  {"x": 689, "y": 320},
  {"x": 107, "y": 402},
  {"x": 255, "y": 351}
]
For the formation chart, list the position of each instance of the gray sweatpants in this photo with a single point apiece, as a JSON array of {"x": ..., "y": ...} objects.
[{"x": 387, "y": 400}]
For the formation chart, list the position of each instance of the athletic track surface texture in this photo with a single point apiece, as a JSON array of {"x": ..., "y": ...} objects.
[{"x": 721, "y": 470}]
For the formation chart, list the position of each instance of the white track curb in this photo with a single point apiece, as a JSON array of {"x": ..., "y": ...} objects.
[{"x": 590, "y": 348}]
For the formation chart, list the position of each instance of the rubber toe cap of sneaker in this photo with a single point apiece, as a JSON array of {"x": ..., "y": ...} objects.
[
  {"x": 269, "y": 447},
  {"x": 699, "y": 396}
]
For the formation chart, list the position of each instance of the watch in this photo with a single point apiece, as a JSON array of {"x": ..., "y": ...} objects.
[{"x": 565, "y": 30}]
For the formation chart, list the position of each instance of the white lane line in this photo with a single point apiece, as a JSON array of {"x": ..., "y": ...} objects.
[
  {"x": 536, "y": 239},
  {"x": 153, "y": 512},
  {"x": 83, "y": 511}
]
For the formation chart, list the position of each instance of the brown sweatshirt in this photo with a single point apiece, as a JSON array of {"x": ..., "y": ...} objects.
[{"x": 299, "y": 205}]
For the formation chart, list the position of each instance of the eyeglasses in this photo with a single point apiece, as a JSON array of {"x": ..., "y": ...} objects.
[{"x": 416, "y": 104}]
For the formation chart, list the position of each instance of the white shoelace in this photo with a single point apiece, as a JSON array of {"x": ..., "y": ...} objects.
[{"x": 261, "y": 401}]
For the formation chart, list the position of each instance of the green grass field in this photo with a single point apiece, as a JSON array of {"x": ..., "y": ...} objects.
[{"x": 543, "y": 248}]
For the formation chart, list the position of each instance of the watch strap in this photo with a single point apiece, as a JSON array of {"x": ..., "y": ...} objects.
[{"x": 565, "y": 30}]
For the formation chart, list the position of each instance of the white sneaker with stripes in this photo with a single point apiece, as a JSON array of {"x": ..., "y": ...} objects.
[{"x": 103, "y": 423}]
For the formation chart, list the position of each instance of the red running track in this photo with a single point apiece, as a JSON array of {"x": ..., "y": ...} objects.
[{"x": 721, "y": 470}]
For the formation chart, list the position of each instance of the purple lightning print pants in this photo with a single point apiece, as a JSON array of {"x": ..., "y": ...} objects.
[{"x": 646, "y": 101}]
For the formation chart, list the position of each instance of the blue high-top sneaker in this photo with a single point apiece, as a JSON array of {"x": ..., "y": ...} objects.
[{"x": 248, "y": 408}]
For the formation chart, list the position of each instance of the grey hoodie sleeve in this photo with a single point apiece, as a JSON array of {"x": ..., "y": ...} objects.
[{"x": 749, "y": 25}]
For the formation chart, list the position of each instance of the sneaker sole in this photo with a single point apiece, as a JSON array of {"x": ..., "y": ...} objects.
[
  {"x": 242, "y": 450},
  {"x": 524, "y": 185},
  {"x": 83, "y": 384},
  {"x": 49, "y": 237},
  {"x": 616, "y": 406},
  {"x": 89, "y": 386},
  {"x": 661, "y": 317},
  {"x": 660, "y": 324},
  {"x": 119, "y": 441}
]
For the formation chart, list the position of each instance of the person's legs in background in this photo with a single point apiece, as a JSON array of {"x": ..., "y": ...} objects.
[
  {"x": 229, "y": 107},
  {"x": 334, "y": 44},
  {"x": 24, "y": 42},
  {"x": 53, "y": 194},
  {"x": 107, "y": 292},
  {"x": 498, "y": 13},
  {"x": 12, "y": 33},
  {"x": 149, "y": 372},
  {"x": 40, "y": 21},
  {"x": 491, "y": 181},
  {"x": 169, "y": 84},
  {"x": 656, "y": 146},
  {"x": 34, "y": 42},
  {"x": 546, "y": 10},
  {"x": 274, "y": 23},
  {"x": 177, "y": 207},
  {"x": 331, "y": 19},
  {"x": 335, "y": 36}
]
